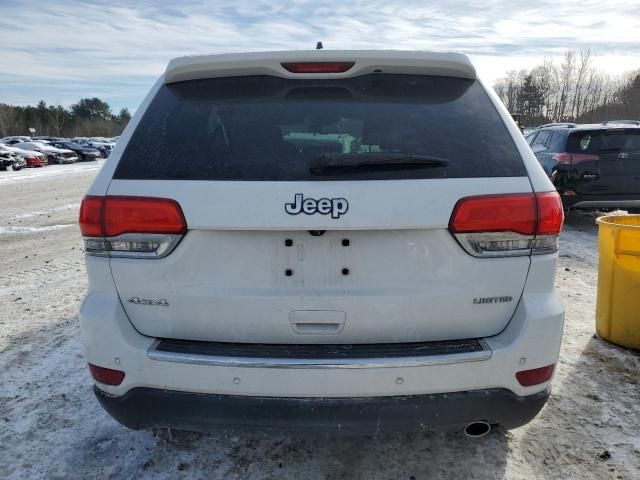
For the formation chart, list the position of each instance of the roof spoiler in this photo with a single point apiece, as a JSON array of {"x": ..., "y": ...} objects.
[
  {"x": 364, "y": 62},
  {"x": 559, "y": 124},
  {"x": 621, "y": 122}
]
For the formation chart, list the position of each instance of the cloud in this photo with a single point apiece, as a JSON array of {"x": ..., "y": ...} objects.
[{"x": 69, "y": 49}]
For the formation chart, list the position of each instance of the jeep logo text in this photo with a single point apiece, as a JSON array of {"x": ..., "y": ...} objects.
[{"x": 310, "y": 206}]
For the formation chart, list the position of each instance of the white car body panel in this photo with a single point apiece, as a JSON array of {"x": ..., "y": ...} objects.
[
  {"x": 404, "y": 283},
  {"x": 532, "y": 339}
]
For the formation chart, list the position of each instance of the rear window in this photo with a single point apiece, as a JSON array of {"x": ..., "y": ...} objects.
[
  {"x": 269, "y": 128},
  {"x": 604, "y": 141}
]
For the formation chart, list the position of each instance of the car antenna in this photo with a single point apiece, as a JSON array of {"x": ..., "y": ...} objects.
[{"x": 319, "y": 46}]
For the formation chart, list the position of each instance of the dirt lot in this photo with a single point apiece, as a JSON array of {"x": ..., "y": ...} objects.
[{"x": 52, "y": 427}]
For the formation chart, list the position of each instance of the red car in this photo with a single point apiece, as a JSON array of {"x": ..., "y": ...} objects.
[
  {"x": 35, "y": 160},
  {"x": 32, "y": 158}
]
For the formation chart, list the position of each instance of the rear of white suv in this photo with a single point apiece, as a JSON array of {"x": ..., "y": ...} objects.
[{"x": 335, "y": 240}]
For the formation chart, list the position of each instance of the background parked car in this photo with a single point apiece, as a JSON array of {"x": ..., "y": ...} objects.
[
  {"x": 31, "y": 158},
  {"x": 84, "y": 152},
  {"x": 104, "y": 145},
  {"x": 8, "y": 159},
  {"x": 14, "y": 139},
  {"x": 593, "y": 166},
  {"x": 19, "y": 162},
  {"x": 47, "y": 139},
  {"x": 54, "y": 155}
]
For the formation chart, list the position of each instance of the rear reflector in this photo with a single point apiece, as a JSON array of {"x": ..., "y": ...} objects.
[
  {"x": 107, "y": 376},
  {"x": 131, "y": 226},
  {"x": 508, "y": 225},
  {"x": 527, "y": 378},
  {"x": 318, "y": 67}
]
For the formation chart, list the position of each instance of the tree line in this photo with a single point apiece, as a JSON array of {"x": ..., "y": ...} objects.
[
  {"x": 572, "y": 90},
  {"x": 90, "y": 117}
]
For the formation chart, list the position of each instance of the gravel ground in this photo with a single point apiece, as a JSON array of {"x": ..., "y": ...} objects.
[{"x": 52, "y": 427}]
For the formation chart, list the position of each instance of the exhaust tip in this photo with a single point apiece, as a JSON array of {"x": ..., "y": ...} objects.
[{"x": 477, "y": 429}]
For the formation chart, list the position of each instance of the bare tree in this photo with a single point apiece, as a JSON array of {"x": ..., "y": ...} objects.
[
  {"x": 584, "y": 67},
  {"x": 572, "y": 90},
  {"x": 59, "y": 116},
  {"x": 566, "y": 79}
]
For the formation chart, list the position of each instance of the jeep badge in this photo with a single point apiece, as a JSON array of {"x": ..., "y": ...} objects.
[{"x": 310, "y": 206}]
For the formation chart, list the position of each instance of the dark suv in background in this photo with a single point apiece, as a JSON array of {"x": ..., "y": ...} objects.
[
  {"x": 593, "y": 166},
  {"x": 84, "y": 152}
]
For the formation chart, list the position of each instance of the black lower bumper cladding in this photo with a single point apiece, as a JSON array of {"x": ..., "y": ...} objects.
[
  {"x": 601, "y": 201},
  {"x": 147, "y": 407}
]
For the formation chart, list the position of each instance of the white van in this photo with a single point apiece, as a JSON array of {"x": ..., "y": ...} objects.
[{"x": 353, "y": 241}]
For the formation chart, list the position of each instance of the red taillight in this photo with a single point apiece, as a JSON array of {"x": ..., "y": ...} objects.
[
  {"x": 142, "y": 215},
  {"x": 509, "y": 224},
  {"x": 107, "y": 376},
  {"x": 574, "y": 157},
  {"x": 91, "y": 212},
  {"x": 550, "y": 213},
  {"x": 113, "y": 216},
  {"x": 527, "y": 378},
  {"x": 139, "y": 227},
  {"x": 495, "y": 213},
  {"x": 318, "y": 67}
]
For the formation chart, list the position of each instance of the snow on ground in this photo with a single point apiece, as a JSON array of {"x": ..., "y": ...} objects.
[
  {"x": 30, "y": 174},
  {"x": 51, "y": 426},
  {"x": 68, "y": 206},
  {"x": 34, "y": 229}
]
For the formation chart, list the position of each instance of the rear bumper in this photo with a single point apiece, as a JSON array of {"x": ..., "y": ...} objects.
[
  {"x": 148, "y": 407},
  {"x": 180, "y": 389},
  {"x": 587, "y": 202}
]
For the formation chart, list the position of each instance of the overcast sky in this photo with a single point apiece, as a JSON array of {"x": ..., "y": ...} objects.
[{"x": 61, "y": 51}]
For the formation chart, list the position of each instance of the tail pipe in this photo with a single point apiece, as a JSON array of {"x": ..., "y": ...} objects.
[{"x": 477, "y": 429}]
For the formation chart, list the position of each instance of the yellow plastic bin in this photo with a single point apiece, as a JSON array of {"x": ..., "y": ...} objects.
[{"x": 618, "y": 304}]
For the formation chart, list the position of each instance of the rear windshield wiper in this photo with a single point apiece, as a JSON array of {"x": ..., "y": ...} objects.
[{"x": 372, "y": 160}]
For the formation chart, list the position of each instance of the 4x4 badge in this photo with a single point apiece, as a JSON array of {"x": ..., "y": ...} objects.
[
  {"x": 323, "y": 206},
  {"x": 146, "y": 301}
]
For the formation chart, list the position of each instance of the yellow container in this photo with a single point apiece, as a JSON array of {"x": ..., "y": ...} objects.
[{"x": 618, "y": 304}]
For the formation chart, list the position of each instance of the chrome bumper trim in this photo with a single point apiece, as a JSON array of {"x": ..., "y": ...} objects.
[{"x": 249, "y": 362}]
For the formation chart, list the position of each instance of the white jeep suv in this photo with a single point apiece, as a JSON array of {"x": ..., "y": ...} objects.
[{"x": 334, "y": 240}]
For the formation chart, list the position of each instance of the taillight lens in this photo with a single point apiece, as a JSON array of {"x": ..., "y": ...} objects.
[
  {"x": 142, "y": 215},
  {"x": 495, "y": 213},
  {"x": 142, "y": 227},
  {"x": 508, "y": 225},
  {"x": 550, "y": 213},
  {"x": 108, "y": 376},
  {"x": 574, "y": 157},
  {"x": 535, "y": 376},
  {"x": 91, "y": 216},
  {"x": 317, "y": 67}
]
